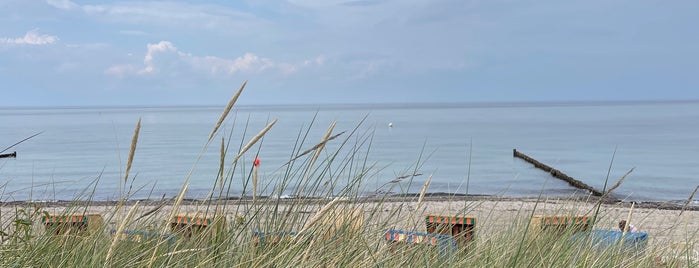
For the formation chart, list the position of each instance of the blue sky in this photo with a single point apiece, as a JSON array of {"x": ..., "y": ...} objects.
[{"x": 66, "y": 53}]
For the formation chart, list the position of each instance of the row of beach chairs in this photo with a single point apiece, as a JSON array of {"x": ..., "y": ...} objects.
[{"x": 448, "y": 233}]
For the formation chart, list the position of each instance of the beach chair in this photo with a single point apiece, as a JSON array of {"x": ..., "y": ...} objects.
[
  {"x": 73, "y": 224},
  {"x": 462, "y": 228},
  {"x": 602, "y": 240},
  {"x": 141, "y": 236},
  {"x": 197, "y": 225},
  {"x": 558, "y": 224},
  {"x": 445, "y": 243},
  {"x": 259, "y": 237}
]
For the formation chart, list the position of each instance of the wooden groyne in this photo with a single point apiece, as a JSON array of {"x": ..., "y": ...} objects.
[
  {"x": 10, "y": 155},
  {"x": 557, "y": 173}
]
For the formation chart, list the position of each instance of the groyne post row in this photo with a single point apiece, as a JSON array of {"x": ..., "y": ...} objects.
[
  {"x": 557, "y": 173},
  {"x": 13, "y": 154}
]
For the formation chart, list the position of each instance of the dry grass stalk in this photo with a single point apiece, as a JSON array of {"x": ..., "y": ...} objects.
[
  {"x": 175, "y": 208},
  {"x": 400, "y": 178},
  {"x": 320, "y": 214},
  {"x": 319, "y": 149},
  {"x": 331, "y": 221},
  {"x": 346, "y": 221},
  {"x": 254, "y": 140},
  {"x": 312, "y": 222},
  {"x": 618, "y": 183},
  {"x": 177, "y": 204},
  {"x": 628, "y": 219},
  {"x": 132, "y": 150},
  {"x": 185, "y": 184},
  {"x": 626, "y": 226},
  {"x": 17, "y": 143},
  {"x": 325, "y": 139},
  {"x": 315, "y": 147},
  {"x": 689, "y": 200},
  {"x": 226, "y": 110},
  {"x": 150, "y": 212},
  {"x": 182, "y": 251},
  {"x": 119, "y": 232},
  {"x": 424, "y": 190},
  {"x": 222, "y": 163}
]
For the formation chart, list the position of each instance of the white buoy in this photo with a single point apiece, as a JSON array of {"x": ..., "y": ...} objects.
[{"x": 390, "y": 124}]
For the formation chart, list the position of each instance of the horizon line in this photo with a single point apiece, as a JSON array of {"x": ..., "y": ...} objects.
[{"x": 366, "y": 105}]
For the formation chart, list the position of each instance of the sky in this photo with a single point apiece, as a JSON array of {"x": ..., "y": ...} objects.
[{"x": 75, "y": 53}]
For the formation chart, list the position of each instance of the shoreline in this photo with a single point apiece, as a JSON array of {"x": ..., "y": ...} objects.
[{"x": 411, "y": 197}]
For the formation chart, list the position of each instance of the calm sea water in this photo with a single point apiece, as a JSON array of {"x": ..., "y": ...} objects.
[{"x": 82, "y": 146}]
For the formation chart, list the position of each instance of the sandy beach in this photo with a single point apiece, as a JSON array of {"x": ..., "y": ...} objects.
[{"x": 664, "y": 226}]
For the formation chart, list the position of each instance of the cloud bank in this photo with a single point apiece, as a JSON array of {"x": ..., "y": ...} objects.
[
  {"x": 164, "y": 56},
  {"x": 62, "y": 4},
  {"x": 31, "y": 38}
]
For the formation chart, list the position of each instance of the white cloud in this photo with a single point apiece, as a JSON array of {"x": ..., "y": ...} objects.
[
  {"x": 62, "y": 4},
  {"x": 174, "y": 14},
  {"x": 320, "y": 60},
  {"x": 31, "y": 38},
  {"x": 154, "y": 49},
  {"x": 164, "y": 57}
]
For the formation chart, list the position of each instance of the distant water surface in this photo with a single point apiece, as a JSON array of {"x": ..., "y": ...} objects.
[{"x": 463, "y": 147}]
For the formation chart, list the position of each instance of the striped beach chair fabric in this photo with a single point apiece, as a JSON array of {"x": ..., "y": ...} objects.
[
  {"x": 192, "y": 220},
  {"x": 460, "y": 227},
  {"x": 195, "y": 224},
  {"x": 566, "y": 220},
  {"x": 559, "y": 224},
  {"x": 450, "y": 220},
  {"x": 76, "y": 224}
]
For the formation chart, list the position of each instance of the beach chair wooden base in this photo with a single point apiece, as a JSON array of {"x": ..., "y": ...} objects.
[
  {"x": 400, "y": 238},
  {"x": 272, "y": 238},
  {"x": 73, "y": 224},
  {"x": 462, "y": 228},
  {"x": 558, "y": 224},
  {"x": 141, "y": 236},
  {"x": 191, "y": 225}
]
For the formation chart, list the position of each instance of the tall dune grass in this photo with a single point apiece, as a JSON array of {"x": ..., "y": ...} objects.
[{"x": 334, "y": 224}]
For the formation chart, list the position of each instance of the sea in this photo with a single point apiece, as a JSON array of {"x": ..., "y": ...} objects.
[{"x": 82, "y": 152}]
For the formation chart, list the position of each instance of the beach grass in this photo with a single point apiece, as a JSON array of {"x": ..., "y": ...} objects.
[
  {"x": 328, "y": 221},
  {"x": 341, "y": 232}
]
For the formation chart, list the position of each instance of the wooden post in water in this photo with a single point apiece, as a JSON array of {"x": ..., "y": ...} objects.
[
  {"x": 557, "y": 173},
  {"x": 10, "y": 155}
]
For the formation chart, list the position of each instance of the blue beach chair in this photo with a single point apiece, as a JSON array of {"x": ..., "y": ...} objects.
[
  {"x": 606, "y": 239},
  {"x": 446, "y": 243},
  {"x": 260, "y": 237},
  {"x": 142, "y": 236}
]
